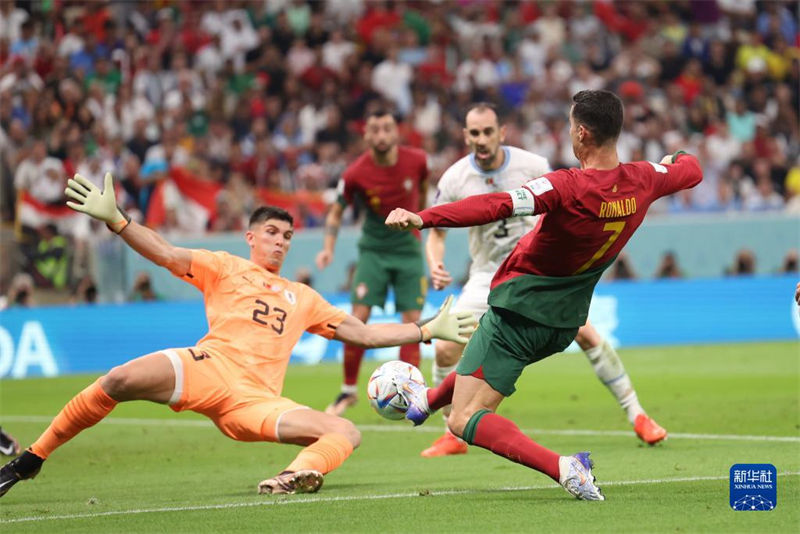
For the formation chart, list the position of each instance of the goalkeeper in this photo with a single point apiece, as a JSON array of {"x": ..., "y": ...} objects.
[{"x": 234, "y": 375}]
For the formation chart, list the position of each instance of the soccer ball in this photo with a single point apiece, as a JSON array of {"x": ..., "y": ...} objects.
[{"x": 382, "y": 391}]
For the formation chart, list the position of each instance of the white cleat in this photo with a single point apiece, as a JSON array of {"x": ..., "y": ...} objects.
[
  {"x": 575, "y": 476},
  {"x": 416, "y": 397},
  {"x": 291, "y": 482}
]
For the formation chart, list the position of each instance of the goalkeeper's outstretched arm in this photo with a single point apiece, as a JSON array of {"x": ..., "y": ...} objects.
[
  {"x": 157, "y": 249},
  {"x": 102, "y": 205},
  {"x": 452, "y": 326}
]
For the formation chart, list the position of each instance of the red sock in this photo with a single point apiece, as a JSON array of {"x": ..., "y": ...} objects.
[
  {"x": 442, "y": 395},
  {"x": 503, "y": 437},
  {"x": 410, "y": 354},
  {"x": 352, "y": 363}
]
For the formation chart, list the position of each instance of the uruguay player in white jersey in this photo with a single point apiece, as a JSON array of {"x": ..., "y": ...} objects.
[{"x": 492, "y": 167}]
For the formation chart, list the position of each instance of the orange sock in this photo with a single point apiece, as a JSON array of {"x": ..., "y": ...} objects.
[
  {"x": 324, "y": 455},
  {"x": 86, "y": 409}
]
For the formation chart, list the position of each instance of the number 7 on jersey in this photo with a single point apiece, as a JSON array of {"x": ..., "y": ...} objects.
[{"x": 615, "y": 227}]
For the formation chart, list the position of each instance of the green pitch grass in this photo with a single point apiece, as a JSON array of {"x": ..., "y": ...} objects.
[{"x": 147, "y": 469}]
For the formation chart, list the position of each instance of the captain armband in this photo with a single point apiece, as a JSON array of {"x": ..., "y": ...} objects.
[{"x": 522, "y": 202}]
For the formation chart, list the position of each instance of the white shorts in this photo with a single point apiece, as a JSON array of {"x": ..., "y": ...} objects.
[{"x": 474, "y": 295}]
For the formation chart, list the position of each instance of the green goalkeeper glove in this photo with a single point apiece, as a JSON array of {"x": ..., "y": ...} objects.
[
  {"x": 446, "y": 325},
  {"x": 102, "y": 205}
]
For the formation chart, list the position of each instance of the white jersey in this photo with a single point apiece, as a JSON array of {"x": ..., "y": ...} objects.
[{"x": 491, "y": 243}]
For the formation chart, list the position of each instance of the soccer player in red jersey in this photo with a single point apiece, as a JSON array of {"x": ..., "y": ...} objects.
[
  {"x": 540, "y": 295},
  {"x": 492, "y": 167},
  {"x": 384, "y": 177}
]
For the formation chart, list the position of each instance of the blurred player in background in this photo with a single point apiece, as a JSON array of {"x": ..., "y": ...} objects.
[
  {"x": 541, "y": 293},
  {"x": 235, "y": 374},
  {"x": 492, "y": 167},
  {"x": 385, "y": 177}
]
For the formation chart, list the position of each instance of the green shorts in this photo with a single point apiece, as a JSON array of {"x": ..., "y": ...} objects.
[
  {"x": 505, "y": 343},
  {"x": 376, "y": 271}
]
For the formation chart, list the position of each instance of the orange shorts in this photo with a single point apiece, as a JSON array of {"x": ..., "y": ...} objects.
[{"x": 243, "y": 414}]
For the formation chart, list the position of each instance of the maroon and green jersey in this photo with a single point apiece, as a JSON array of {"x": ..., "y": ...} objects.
[
  {"x": 380, "y": 189},
  {"x": 587, "y": 216}
]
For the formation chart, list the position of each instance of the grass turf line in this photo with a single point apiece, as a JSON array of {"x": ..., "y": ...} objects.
[{"x": 699, "y": 390}]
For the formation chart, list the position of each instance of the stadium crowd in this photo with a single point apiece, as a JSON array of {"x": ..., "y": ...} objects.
[{"x": 204, "y": 109}]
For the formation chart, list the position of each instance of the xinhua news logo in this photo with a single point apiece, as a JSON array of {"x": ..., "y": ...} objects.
[{"x": 754, "y": 487}]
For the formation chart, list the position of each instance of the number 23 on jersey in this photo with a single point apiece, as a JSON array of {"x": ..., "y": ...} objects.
[{"x": 261, "y": 313}]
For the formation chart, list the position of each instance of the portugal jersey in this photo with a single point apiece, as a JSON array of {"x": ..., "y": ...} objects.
[
  {"x": 490, "y": 244},
  {"x": 587, "y": 216},
  {"x": 380, "y": 189}
]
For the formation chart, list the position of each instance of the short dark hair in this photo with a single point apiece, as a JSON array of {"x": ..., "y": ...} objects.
[
  {"x": 483, "y": 106},
  {"x": 381, "y": 111},
  {"x": 265, "y": 213},
  {"x": 600, "y": 112}
]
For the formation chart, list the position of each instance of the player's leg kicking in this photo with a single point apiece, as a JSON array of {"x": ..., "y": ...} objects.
[
  {"x": 486, "y": 375},
  {"x": 445, "y": 362},
  {"x": 605, "y": 361},
  {"x": 611, "y": 372},
  {"x": 473, "y": 298}
]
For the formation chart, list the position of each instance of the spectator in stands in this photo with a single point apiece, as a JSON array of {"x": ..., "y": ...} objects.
[
  {"x": 792, "y": 190},
  {"x": 20, "y": 292},
  {"x": 11, "y": 20},
  {"x": 763, "y": 196},
  {"x": 790, "y": 262},
  {"x": 741, "y": 122},
  {"x": 143, "y": 289},
  {"x": 336, "y": 51},
  {"x": 392, "y": 79},
  {"x": 622, "y": 268},
  {"x": 85, "y": 291},
  {"x": 20, "y": 78},
  {"x": 50, "y": 259},
  {"x": 183, "y": 82},
  {"x": 668, "y": 267},
  {"x": 39, "y": 180},
  {"x": 744, "y": 263},
  {"x": 303, "y": 275}
]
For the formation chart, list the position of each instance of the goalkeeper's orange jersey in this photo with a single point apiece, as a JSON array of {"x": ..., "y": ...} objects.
[{"x": 255, "y": 318}]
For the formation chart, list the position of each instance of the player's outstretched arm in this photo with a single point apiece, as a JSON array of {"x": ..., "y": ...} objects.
[
  {"x": 471, "y": 211},
  {"x": 452, "y": 326},
  {"x": 683, "y": 172},
  {"x": 102, "y": 205},
  {"x": 332, "y": 223}
]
